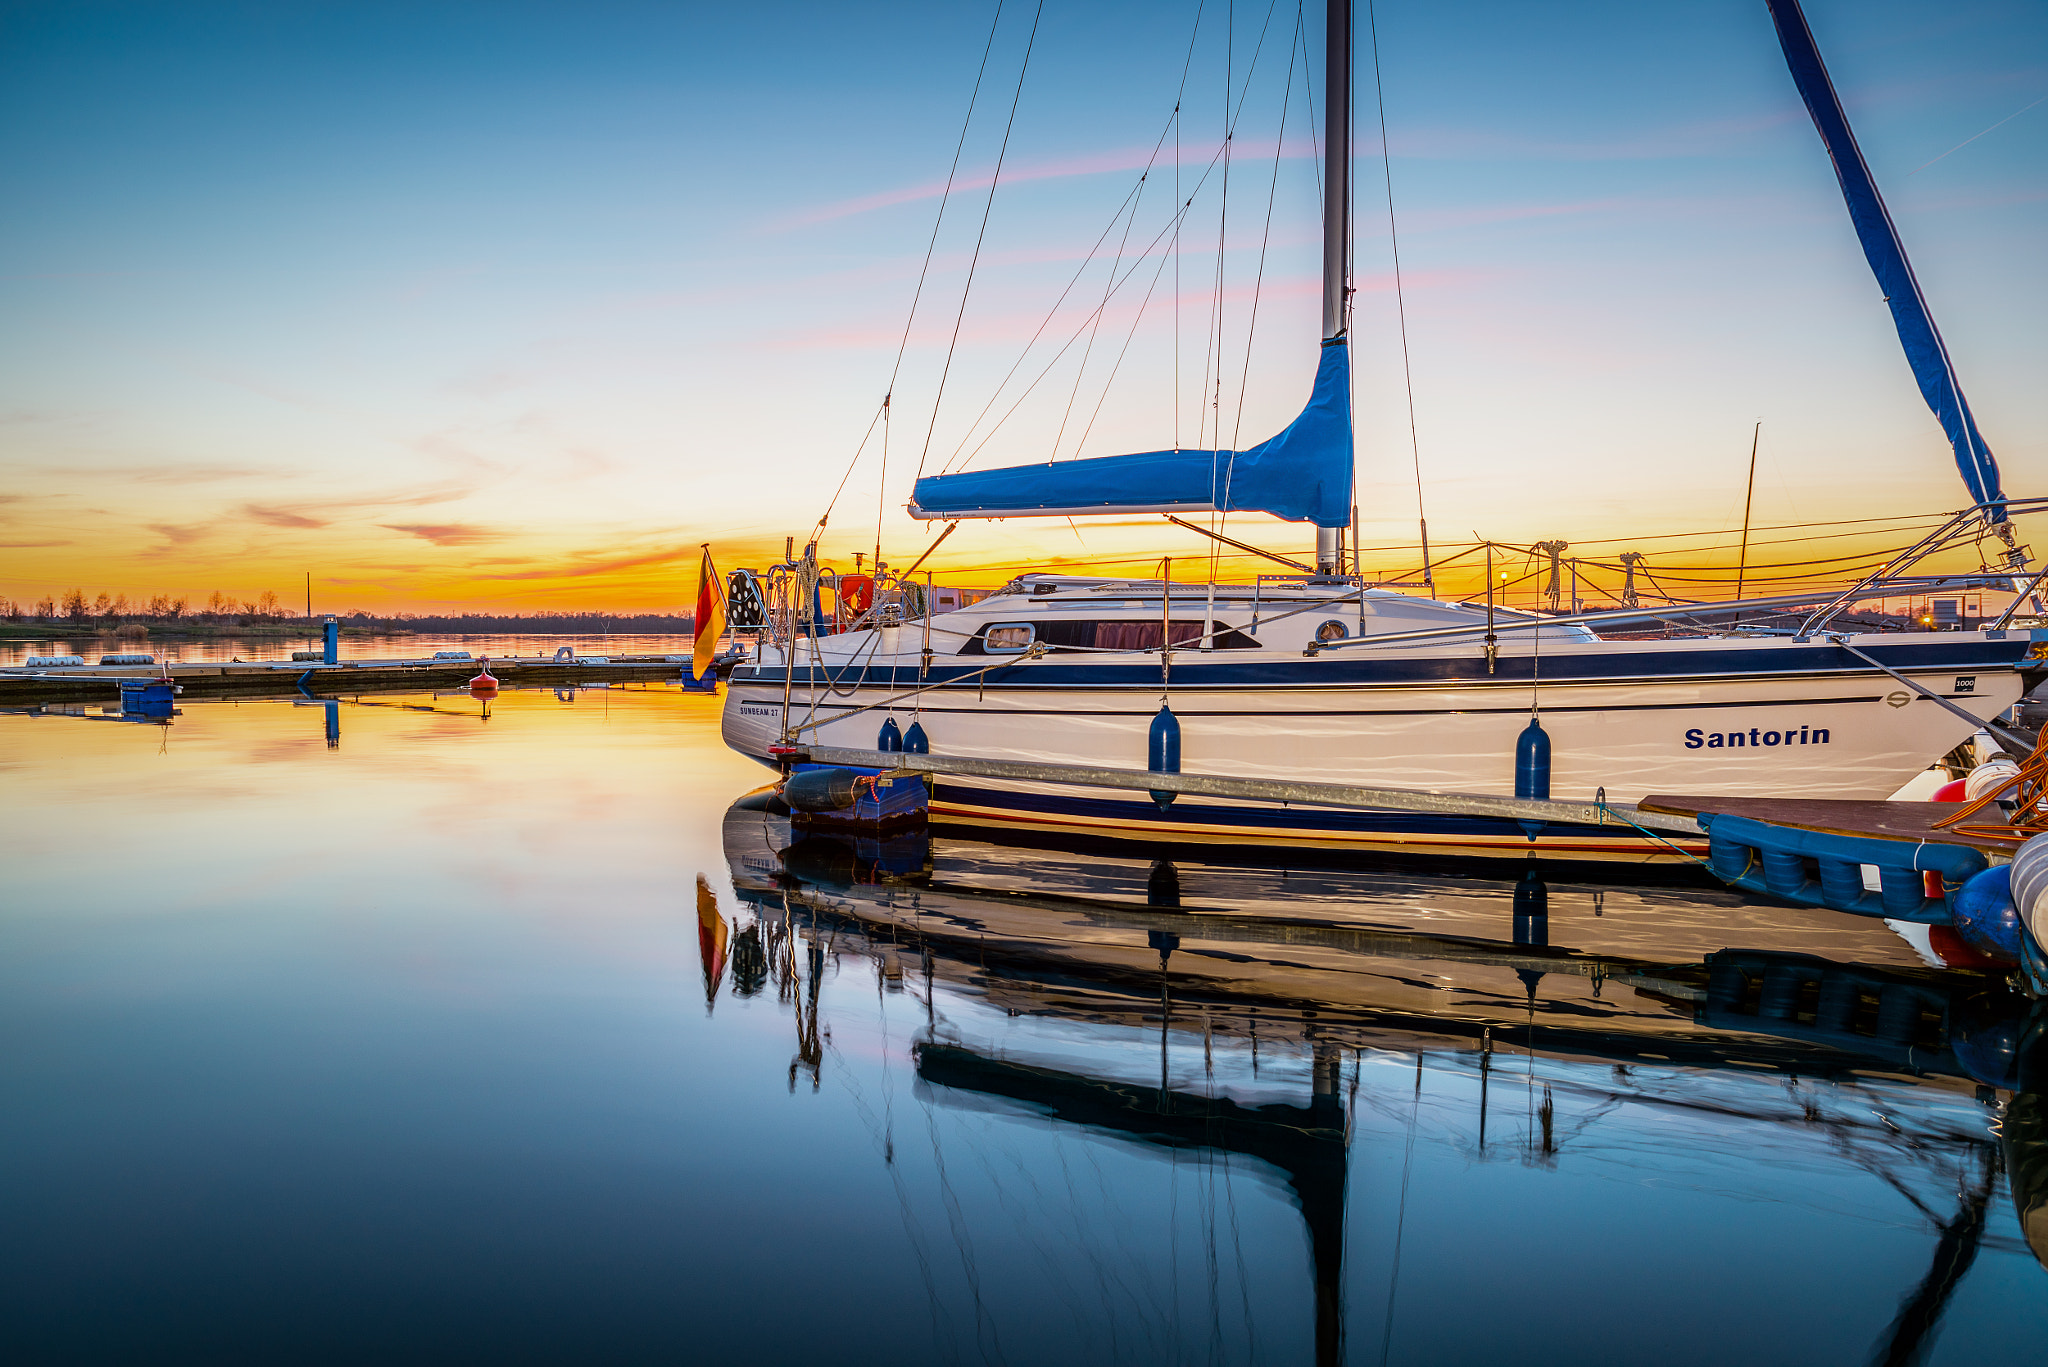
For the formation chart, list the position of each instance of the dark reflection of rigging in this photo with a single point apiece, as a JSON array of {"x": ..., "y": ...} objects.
[{"x": 1333, "y": 963}]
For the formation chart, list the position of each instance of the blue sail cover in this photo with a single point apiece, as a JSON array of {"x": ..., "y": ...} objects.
[
  {"x": 1887, "y": 256},
  {"x": 1303, "y": 474}
]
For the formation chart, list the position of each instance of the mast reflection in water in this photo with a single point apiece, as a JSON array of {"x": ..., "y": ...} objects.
[{"x": 1678, "y": 1061}]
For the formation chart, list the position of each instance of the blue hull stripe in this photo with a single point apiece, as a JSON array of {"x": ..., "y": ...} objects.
[
  {"x": 1463, "y": 671},
  {"x": 1519, "y": 708}
]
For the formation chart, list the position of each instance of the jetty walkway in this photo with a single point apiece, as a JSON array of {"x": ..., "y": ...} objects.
[{"x": 25, "y": 686}]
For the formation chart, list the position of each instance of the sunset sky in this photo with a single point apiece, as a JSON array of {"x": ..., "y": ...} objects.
[{"x": 509, "y": 306}]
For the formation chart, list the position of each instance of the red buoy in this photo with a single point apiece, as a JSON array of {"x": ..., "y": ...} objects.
[
  {"x": 1952, "y": 791},
  {"x": 484, "y": 682}
]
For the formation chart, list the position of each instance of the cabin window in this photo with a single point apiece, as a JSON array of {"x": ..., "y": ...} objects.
[
  {"x": 1006, "y": 638},
  {"x": 1061, "y": 634},
  {"x": 1332, "y": 630}
]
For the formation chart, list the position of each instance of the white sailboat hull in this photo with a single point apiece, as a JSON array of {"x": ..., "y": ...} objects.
[{"x": 1756, "y": 718}]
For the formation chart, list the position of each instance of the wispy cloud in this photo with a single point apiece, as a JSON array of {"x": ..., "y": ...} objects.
[
  {"x": 1693, "y": 138},
  {"x": 445, "y": 533},
  {"x": 179, "y": 535},
  {"x": 1057, "y": 168},
  {"x": 175, "y": 472},
  {"x": 587, "y": 568},
  {"x": 29, "y": 545},
  {"x": 279, "y": 517}
]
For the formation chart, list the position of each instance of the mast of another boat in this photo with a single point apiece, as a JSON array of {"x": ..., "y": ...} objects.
[{"x": 1336, "y": 218}]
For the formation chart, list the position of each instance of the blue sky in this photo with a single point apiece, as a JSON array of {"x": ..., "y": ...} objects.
[{"x": 513, "y": 305}]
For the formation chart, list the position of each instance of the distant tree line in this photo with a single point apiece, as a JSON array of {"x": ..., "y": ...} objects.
[
  {"x": 75, "y": 609},
  {"x": 535, "y": 623},
  {"x": 220, "y": 609}
]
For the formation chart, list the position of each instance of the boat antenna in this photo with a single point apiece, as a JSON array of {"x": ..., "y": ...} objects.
[
  {"x": 1748, "y": 499},
  {"x": 1400, "y": 299}
]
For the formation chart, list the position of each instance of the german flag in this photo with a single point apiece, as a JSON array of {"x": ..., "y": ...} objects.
[{"x": 710, "y": 614}]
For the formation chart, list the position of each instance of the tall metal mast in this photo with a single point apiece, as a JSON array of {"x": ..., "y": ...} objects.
[{"x": 1336, "y": 217}]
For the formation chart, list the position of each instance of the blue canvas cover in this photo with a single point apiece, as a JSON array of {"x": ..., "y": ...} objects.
[
  {"x": 1303, "y": 474},
  {"x": 1925, "y": 350}
]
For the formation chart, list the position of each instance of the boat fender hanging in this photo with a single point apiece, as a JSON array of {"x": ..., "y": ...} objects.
[
  {"x": 1985, "y": 916},
  {"x": 1994, "y": 775},
  {"x": 915, "y": 742},
  {"x": 1162, "y": 751},
  {"x": 891, "y": 739},
  {"x": 1532, "y": 761},
  {"x": 2029, "y": 870},
  {"x": 820, "y": 790}
]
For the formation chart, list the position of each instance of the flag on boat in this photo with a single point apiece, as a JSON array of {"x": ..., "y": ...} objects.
[{"x": 710, "y": 619}]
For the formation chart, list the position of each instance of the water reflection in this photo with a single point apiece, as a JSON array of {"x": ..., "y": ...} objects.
[
  {"x": 505, "y": 1041},
  {"x": 1928, "y": 1082}
]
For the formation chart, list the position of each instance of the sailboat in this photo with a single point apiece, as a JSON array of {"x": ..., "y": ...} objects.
[{"x": 1322, "y": 677}]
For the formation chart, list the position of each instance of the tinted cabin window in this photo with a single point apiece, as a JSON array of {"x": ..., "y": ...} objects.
[
  {"x": 995, "y": 639},
  {"x": 1004, "y": 637}
]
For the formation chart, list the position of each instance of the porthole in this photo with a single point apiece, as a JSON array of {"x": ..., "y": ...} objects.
[{"x": 1331, "y": 630}]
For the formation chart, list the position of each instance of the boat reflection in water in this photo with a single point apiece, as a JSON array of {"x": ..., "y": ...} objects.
[{"x": 1816, "y": 1040}]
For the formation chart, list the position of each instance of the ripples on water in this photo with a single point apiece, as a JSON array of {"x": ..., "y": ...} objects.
[{"x": 467, "y": 1039}]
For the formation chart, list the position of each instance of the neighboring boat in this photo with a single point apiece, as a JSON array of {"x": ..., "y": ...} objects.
[{"x": 1319, "y": 677}]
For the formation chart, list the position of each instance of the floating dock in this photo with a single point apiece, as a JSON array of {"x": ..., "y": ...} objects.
[{"x": 217, "y": 679}]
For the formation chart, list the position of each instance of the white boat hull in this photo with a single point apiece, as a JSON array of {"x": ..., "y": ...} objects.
[{"x": 1784, "y": 728}]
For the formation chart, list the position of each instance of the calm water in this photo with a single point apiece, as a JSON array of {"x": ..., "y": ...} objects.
[
  {"x": 92, "y": 645},
  {"x": 392, "y": 1032}
]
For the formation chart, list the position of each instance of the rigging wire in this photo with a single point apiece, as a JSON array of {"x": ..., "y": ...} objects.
[
  {"x": 1258, "y": 289},
  {"x": 1400, "y": 299},
  {"x": 1109, "y": 282},
  {"x": 924, "y": 271},
  {"x": 1124, "y": 351},
  {"x": 1212, "y": 345},
  {"x": 962, "y": 456},
  {"x": 825, "y": 516},
  {"x": 1129, "y": 202},
  {"x": 987, "y": 209}
]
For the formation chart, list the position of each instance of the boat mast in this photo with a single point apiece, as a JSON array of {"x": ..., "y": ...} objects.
[{"x": 1336, "y": 217}]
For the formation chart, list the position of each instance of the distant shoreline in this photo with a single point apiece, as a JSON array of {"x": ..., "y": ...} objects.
[
  {"x": 186, "y": 631},
  {"x": 41, "y": 631}
]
